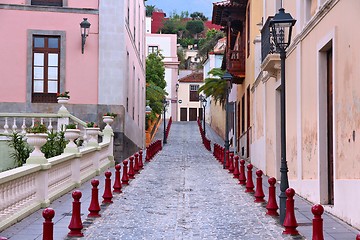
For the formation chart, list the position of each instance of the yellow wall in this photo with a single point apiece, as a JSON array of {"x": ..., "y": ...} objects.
[{"x": 217, "y": 120}]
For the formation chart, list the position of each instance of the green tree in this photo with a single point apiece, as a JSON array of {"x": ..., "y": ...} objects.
[
  {"x": 149, "y": 10},
  {"x": 207, "y": 45},
  {"x": 198, "y": 16},
  {"x": 173, "y": 26},
  {"x": 215, "y": 86},
  {"x": 155, "y": 82},
  {"x": 195, "y": 27}
]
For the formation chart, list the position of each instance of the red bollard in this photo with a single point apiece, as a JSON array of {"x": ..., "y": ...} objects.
[
  {"x": 290, "y": 223},
  {"x": 75, "y": 225},
  {"x": 141, "y": 165},
  {"x": 231, "y": 163},
  {"x": 259, "y": 193},
  {"x": 242, "y": 177},
  {"x": 272, "y": 206},
  {"x": 117, "y": 183},
  {"x": 131, "y": 172},
  {"x": 125, "y": 177},
  {"x": 318, "y": 210},
  {"x": 136, "y": 166},
  {"x": 236, "y": 167},
  {"x": 48, "y": 225},
  {"x": 249, "y": 183},
  {"x": 358, "y": 236},
  {"x": 107, "y": 196},
  {"x": 147, "y": 159},
  {"x": 94, "y": 207},
  {"x": 227, "y": 164}
]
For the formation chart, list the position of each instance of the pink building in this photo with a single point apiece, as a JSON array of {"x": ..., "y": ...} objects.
[{"x": 42, "y": 56}]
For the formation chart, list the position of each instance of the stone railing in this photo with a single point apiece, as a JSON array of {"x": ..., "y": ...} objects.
[{"x": 25, "y": 189}]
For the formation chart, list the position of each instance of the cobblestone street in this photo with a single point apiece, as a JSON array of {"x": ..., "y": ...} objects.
[{"x": 184, "y": 193}]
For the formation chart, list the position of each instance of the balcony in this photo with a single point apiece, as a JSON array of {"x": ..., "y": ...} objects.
[
  {"x": 236, "y": 63},
  {"x": 269, "y": 56}
]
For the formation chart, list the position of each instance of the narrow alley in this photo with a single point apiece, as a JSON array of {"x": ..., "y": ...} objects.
[{"x": 184, "y": 193}]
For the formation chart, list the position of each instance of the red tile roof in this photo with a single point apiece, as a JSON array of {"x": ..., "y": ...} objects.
[{"x": 193, "y": 77}]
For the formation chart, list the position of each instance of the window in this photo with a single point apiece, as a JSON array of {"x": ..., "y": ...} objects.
[
  {"x": 194, "y": 95},
  {"x": 47, "y": 2},
  {"x": 153, "y": 49},
  {"x": 310, "y": 9},
  {"x": 45, "y": 68}
]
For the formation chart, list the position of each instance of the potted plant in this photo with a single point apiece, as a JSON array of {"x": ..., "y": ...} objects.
[
  {"x": 92, "y": 131},
  {"x": 71, "y": 134},
  {"x": 63, "y": 98},
  {"x": 36, "y": 136},
  {"x": 64, "y": 95},
  {"x": 108, "y": 118}
]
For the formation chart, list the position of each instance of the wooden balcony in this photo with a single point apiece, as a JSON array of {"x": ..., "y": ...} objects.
[{"x": 236, "y": 65}]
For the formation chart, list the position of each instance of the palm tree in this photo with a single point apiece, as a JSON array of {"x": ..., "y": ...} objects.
[{"x": 215, "y": 86}]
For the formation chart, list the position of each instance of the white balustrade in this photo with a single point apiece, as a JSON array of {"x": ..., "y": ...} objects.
[{"x": 23, "y": 190}]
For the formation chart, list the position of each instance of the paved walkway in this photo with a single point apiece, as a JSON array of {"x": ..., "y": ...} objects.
[
  {"x": 182, "y": 194},
  {"x": 334, "y": 228}
]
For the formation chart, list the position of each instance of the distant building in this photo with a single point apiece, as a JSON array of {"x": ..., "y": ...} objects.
[{"x": 188, "y": 97}]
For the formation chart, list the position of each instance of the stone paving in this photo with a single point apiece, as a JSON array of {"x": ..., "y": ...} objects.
[{"x": 184, "y": 194}]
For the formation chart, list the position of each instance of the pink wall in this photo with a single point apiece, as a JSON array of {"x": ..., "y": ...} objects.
[
  {"x": 71, "y": 3},
  {"x": 81, "y": 69}
]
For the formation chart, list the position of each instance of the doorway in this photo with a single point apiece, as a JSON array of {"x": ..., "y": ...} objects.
[
  {"x": 192, "y": 114},
  {"x": 183, "y": 114},
  {"x": 330, "y": 130}
]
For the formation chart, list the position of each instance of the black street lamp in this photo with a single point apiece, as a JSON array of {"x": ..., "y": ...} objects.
[
  {"x": 202, "y": 99},
  {"x": 228, "y": 78},
  {"x": 165, "y": 104},
  {"x": 204, "y": 102},
  {"x": 281, "y": 26}
]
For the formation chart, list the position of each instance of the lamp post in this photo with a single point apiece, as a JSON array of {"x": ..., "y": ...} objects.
[
  {"x": 85, "y": 26},
  {"x": 281, "y": 26},
  {"x": 165, "y": 104},
  {"x": 228, "y": 78},
  {"x": 204, "y": 102}
]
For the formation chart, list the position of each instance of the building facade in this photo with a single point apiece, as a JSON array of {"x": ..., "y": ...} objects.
[
  {"x": 322, "y": 110},
  {"x": 189, "y": 107},
  {"x": 166, "y": 45},
  {"x": 109, "y": 75}
]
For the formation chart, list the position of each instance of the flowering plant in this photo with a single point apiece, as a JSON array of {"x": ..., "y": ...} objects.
[
  {"x": 91, "y": 125},
  {"x": 110, "y": 114},
  {"x": 71, "y": 126},
  {"x": 37, "y": 128},
  {"x": 64, "y": 94}
]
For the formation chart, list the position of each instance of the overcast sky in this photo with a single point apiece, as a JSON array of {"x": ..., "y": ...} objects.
[{"x": 168, "y": 6}]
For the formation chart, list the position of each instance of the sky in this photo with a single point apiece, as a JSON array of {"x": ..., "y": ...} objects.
[{"x": 168, "y": 6}]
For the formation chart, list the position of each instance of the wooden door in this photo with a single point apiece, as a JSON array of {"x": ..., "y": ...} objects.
[
  {"x": 192, "y": 114},
  {"x": 330, "y": 128},
  {"x": 183, "y": 114}
]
